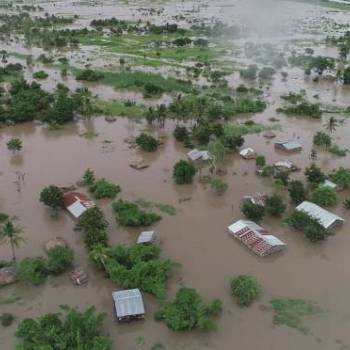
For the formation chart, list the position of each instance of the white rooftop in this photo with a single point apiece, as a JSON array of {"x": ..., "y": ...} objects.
[
  {"x": 128, "y": 303},
  {"x": 326, "y": 218}
]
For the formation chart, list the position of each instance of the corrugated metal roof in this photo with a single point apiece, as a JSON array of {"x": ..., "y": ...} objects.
[
  {"x": 195, "y": 154},
  {"x": 286, "y": 164},
  {"x": 330, "y": 184},
  {"x": 247, "y": 153},
  {"x": 326, "y": 218},
  {"x": 128, "y": 303},
  {"x": 146, "y": 237},
  {"x": 289, "y": 145},
  {"x": 77, "y": 203},
  {"x": 257, "y": 239}
]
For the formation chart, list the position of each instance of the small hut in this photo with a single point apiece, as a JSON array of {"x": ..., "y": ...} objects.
[
  {"x": 148, "y": 238},
  {"x": 257, "y": 199},
  {"x": 77, "y": 203},
  {"x": 247, "y": 153},
  {"x": 128, "y": 305},
  {"x": 288, "y": 146}
]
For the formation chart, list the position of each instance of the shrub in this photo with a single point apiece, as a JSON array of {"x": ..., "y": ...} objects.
[
  {"x": 73, "y": 330},
  {"x": 324, "y": 196},
  {"x": 147, "y": 142},
  {"x": 313, "y": 230},
  {"x": 89, "y": 75},
  {"x": 282, "y": 177},
  {"x": 130, "y": 214},
  {"x": 188, "y": 312},
  {"x": 6, "y": 319},
  {"x": 32, "y": 270},
  {"x": 341, "y": 177},
  {"x": 103, "y": 189},
  {"x": 297, "y": 191},
  {"x": 245, "y": 289},
  {"x": 275, "y": 205},
  {"x": 59, "y": 259},
  {"x": 89, "y": 177},
  {"x": 253, "y": 211},
  {"x": 40, "y": 75},
  {"x": 218, "y": 186},
  {"x": 15, "y": 144},
  {"x": 266, "y": 73},
  {"x": 183, "y": 172},
  {"x": 347, "y": 203},
  {"x": 322, "y": 139},
  {"x": 314, "y": 175},
  {"x": 181, "y": 133},
  {"x": 260, "y": 161},
  {"x": 52, "y": 196},
  {"x": 268, "y": 171}
]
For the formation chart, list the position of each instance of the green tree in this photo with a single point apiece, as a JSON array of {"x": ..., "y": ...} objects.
[
  {"x": 183, "y": 172},
  {"x": 297, "y": 191},
  {"x": 275, "y": 205},
  {"x": 253, "y": 211},
  {"x": 245, "y": 289},
  {"x": 341, "y": 177},
  {"x": 147, "y": 142},
  {"x": 11, "y": 234},
  {"x": 324, "y": 196},
  {"x": 332, "y": 124},
  {"x": 218, "y": 186},
  {"x": 260, "y": 161},
  {"x": 188, "y": 312},
  {"x": 104, "y": 189},
  {"x": 322, "y": 139},
  {"x": 14, "y": 145},
  {"x": 32, "y": 270},
  {"x": 59, "y": 259},
  {"x": 217, "y": 151},
  {"x": 314, "y": 175},
  {"x": 53, "y": 197},
  {"x": 346, "y": 76},
  {"x": 89, "y": 177}
]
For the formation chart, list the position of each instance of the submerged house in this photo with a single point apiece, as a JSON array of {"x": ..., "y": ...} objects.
[
  {"x": 77, "y": 203},
  {"x": 325, "y": 218},
  {"x": 288, "y": 146},
  {"x": 196, "y": 155},
  {"x": 257, "y": 199},
  {"x": 257, "y": 239},
  {"x": 148, "y": 237},
  {"x": 247, "y": 153},
  {"x": 128, "y": 305},
  {"x": 285, "y": 165}
]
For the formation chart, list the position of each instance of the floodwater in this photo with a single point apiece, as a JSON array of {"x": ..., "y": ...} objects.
[{"x": 196, "y": 236}]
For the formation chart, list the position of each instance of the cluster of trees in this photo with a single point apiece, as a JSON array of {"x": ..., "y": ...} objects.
[
  {"x": 147, "y": 142},
  {"x": 130, "y": 214},
  {"x": 72, "y": 330},
  {"x": 27, "y": 102},
  {"x": 136, "y": 266}
]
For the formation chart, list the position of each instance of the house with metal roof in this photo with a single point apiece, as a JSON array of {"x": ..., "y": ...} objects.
[
  {"x": 257, "y": 199},
  {"x": 285, "y": 165},
  {"x": 257, "y": 239},
  {"x": 196, "y": 155},
  {"x": 329, "y": 184},
  {"x": 247, "y": 153},
  {"x": 77, "y": 203},
  {"x": 325, "y": 218},
  {"x": 288, "y": 146},
  {"x": 128, "y": 305},
  {"x": 148, "y": 237}
]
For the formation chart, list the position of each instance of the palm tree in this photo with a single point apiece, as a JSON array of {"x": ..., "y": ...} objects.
[
  {"x": 11, "y": 234},
  {"x": 331, "y": 124}
]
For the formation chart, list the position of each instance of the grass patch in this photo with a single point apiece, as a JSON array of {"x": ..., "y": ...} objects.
[
  {"x": 13, "y": 298},
  {"x": 291, "y": 312},
  {"x": 117, "y": 108},
  {"x": 164, "y": 208}
]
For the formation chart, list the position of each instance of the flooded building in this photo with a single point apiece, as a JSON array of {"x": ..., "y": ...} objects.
[
  {"x": 128, "y": 305},
  {"x": 148, "y": 237},
  {"x": 257, "y": 199},
  {"x": 288, "y": 146},
  {"x": 77, "y": 203},
  {"x": 285, "y": 165},
  {"x": 196, "y": 155},
  {"x": 247, "y": 153},
  {"x": 325, "y": 218},
  {"x": 257, "y": 239}
]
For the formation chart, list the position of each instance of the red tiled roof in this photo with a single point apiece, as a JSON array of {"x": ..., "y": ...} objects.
[{"x": 72, "y": 197}]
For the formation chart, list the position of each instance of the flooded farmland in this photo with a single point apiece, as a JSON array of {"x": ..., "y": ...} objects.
[{"x": 196, "y": 236}]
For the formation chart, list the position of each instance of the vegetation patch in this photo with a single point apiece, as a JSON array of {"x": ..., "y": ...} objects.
[{"x": 245, "y": 289}]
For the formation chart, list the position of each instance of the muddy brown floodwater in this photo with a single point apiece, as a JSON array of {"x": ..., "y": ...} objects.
[{"x": 196, "y": 236}]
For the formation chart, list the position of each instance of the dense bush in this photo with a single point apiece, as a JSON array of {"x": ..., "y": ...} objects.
[
  {"x": 275, "y": 205},
  {"x": 341, "y": 177},
  {"x": 314, "y": 175},
  {"x": 260, "y": 161},
  {"x": 59, "y": 259},
  {"x": 181, "y": 133},
  {"x": 40, "y": 75},
  {"x": 89, "y": 75},
  {"x": 324, "y": 196},
  {"x": 103, "y": 189},
  {"x": 89, "y": 177},
  {"x": 74, "y": 330},
  {"x": 136, "y": 266},
  {"x": 147, "y": 142},
  {"x": 322, "y": 139},
  {"x": 218, "y": 186},
  {"x": 245, "y": 289},
  {"x": 297, "y": 191},
  {"x": 313, "y": 230},
  {"x": 130, "y": 214},
  {"x": 253, "y": 211},
  {"x": 188, "y": 312},
  {"x": 183, "y": 172},
  {"x": 32, "y": 270}
]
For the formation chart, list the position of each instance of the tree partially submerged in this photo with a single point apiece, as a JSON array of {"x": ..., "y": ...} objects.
[
  {"x": 188, "y": 312},
  {"x": 52, "y": 196},
  {"x": 183, "y": 172},
  {"x": 245, "y": 289},
  {"x": 253, "y": 211}
]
